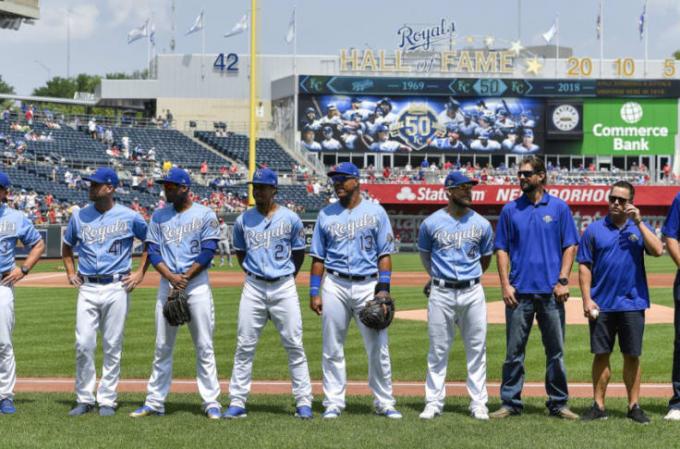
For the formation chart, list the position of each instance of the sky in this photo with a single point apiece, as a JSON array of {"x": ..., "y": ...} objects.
[{"x": 99, "y": 29}]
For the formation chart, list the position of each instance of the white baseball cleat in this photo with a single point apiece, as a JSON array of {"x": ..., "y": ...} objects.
[
  {"x": 673, "y": 415},
  {"x": 388, "y": 412},
  {"x": 480, "y": 413},
  {"x": 331, "y": 413},
  {"x": 430, "y": 412}
]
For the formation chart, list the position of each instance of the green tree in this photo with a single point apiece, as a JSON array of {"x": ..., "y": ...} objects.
[
  {"x": 5, "y": 89},
  {"x": 57, "y": 87},
  {"x": 136, "y": 75},
  {"x": 676, "y": 54}
]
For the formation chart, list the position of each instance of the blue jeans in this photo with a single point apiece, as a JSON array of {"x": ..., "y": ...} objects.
[
  {"x": 550, "y": 316},
  {"x": 675, "y": 400}
]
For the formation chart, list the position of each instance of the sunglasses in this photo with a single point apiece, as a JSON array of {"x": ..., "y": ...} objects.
[
  {"x": 341, "y": 179},
  {"x": 613, "y": 199},
  {"x": 526, "y": 173}
]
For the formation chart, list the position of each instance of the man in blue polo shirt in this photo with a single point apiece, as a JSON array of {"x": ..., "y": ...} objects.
[
  {"x": 615, "y": 295},
  {"x": 536, "y": 238},
  {"x": 671, "y": 235}
]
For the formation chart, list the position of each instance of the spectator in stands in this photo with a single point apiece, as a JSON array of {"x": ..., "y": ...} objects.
[
  {"x": 151, "y": 154},
  {"x": 204, "y": 170},
  {"x": 29, "y": 115},
  {"x": 92, "y": 128},
  {"x": 666, "y": 172},
  {"x": 6, "y": 115},
  {"x": 169, "y": 117}
]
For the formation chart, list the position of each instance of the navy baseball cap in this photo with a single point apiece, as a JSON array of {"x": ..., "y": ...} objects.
[
  {"x": 345, "y": 168},
  {"x": 265, "y": 176},
  {"x": 483, "y": 134},
  {"x": 103, "y": 175},
  {"x": 355, "y": 100},
  {"x": 528, "y": 133},
  {"x": 456, "y": 178},
  {"x": 4, "y": 180},
  {"x": 451, "y": 127},
  {"x": 381, "y": 129},
  {"x": 176, "y": 176}
]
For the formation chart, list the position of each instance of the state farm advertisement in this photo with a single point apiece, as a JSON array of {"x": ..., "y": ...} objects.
[{"x": 492, "y": 195}]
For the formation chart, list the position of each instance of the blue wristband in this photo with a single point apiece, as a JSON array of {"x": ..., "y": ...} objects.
[
  {"x": 314, "y": 284},
  {"x": 385, "y": 277}
]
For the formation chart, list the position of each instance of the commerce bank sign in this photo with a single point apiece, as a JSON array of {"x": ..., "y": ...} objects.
[{"x": 620, "y": 127}]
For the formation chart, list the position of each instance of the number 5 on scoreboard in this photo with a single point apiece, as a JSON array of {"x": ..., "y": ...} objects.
[{"x": 669, "y": 68}]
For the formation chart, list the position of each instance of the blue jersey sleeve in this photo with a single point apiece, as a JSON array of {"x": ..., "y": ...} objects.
[
  {"x": 139, "y": 227},
  {"x": 71, "y": 234},
  {"x": 424, "y": 238},
  {"x": 671, "y": 227},
  {"x": 153, "y": 234},
  {"x": 318, "y": 247},
  {"x": 211, "y": 227},
  {"x": 28, "y": 235},
  {"x": 297, "y": 234},
  {"x": 486, "y": 245},
  {"x": 239, "y": 238},
  {"x": 568, "y": 228},
  {"x": 586, "y": 247},
  {"x": 385, "y": 236},
  {"x": 503, "y": 231}
]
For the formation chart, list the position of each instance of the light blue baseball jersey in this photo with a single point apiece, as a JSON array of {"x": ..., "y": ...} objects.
[
  {"x": 268, "y": 242},
  {"x": 104, "y": 239},
  {"x": 350, "y": 241},
  {"x": 456, "y": 246},
  {"x": 180, "y": 234},
  {"x": 14, "y": 226}
]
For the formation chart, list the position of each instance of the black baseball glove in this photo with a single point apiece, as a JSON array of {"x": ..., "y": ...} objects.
[
  {"x": 427, "y": 289},
  {"x": 378, "y": 312},
  {"x": 176, "y": 309}
]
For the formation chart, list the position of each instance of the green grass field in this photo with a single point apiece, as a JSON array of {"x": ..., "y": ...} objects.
[{"x": 42, "y": 422}]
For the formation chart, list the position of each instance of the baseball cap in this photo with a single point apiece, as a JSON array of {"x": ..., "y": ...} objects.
[
  {"x": 483, "y": 134},
  {"x": 307, "y": 128},
  {"x": 355, "y": 100},
  {"x": 103, "y": 175},
  {"x": 451, "y": 127},
  {"x": 528, "y": 133},
  {"x": 310, "y": 110},
  {"x": 265, "y": 176},
  {"x": 332, "y": 107},
  {"x": 381, "y": 129},
  {"x": 4, "y": 180},
  {"x": 176, "y": 176},
  {"x": 345, "y": 168},
  {"x": 456, "y": 178},
  {"x": 327, "y": 130}
]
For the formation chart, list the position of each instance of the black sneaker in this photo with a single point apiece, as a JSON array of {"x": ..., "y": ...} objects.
[
  {"x": 637, "y": 415},
  {"x": 594, "y": 413}
]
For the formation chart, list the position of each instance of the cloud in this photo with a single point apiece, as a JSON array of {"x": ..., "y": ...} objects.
[
  {"x": 134, "y": 12},
  {"x": 51, "y": 27}
]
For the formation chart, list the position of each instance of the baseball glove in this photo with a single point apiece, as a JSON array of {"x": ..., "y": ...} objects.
[
  {"x": 427, "y": 289},
  {"x": 378, "y": 312},
  {"x": 176, "y": 309}
]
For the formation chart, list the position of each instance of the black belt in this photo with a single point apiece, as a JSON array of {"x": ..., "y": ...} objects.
[
  {"x": 262, "y": 278},
  {"x": 103, "y": 279},
  {"x": 458, "y": 285},
  {"x": 352, "y": 277}
]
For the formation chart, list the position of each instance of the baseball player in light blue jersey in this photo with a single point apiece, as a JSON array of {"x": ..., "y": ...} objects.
[
  {"x": 182, "y": 241},
  {"x": 103, "y": 233},
  {"x": 270, "y": 246},
  {"x": 13, "y": 226},
  {"x": 456, "y": 244},
  {"x": 352, "y": 242}
]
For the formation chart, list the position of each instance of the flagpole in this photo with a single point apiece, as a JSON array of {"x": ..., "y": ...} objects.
[
  {"x": 646, "y": 30},
  {"x": 601, "y": 36},
  {"x": 202, "y": 44},
  {"x": 295, "y": 81},
  {"x": 557, "y": 43},
  {"x": 253, "y": 99}
]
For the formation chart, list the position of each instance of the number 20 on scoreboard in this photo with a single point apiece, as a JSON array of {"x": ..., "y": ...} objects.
[{"x": 226, "y": 63}]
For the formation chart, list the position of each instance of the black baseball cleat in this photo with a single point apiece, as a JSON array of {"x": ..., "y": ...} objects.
[
  {"x": 595, "y": 413},
  {"x": 637, "y": 415}
]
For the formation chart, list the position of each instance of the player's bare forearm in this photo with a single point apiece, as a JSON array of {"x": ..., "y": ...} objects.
[
  {"x": 144, "y": 261},
  {"x": 426, "y": 260},
  {"x": 585, "y": 277},
  {"x": 317, "y": 267},
  {"x": 240, "y": 256},
  {"x": 385, "y": 263},
  {"x": 67, "y": 257},
  {"x": 502, "y": 264},
  {"x": 298, "y": 258},
  {"x": 673, "y": 248},
  {"x": 568, "y": 256},
  {"x": 485, "y": 261},
  {"x": 653, "y": 244},
  {"x": 193, "y": 270},
  {"x": 34, "y": 254},
  {"x": 164, "y": 271}
]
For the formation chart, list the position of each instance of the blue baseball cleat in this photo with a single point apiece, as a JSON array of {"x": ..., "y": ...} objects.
[
  {"x": 145, "y": 410},
  {"x": 213, "y": 413},
  {"x": 235, "y": 412},
  {"x": 304, "y": 412},
  {"x": 7, "y": 407}
]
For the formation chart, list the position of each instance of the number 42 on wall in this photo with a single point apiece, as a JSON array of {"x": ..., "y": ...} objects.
[{"x": 228, "y": 63}]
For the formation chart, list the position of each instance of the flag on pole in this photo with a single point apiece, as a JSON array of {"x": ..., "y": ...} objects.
[
  {"x": 138, "y": 33},
  {"x": 290, "y": 35},
  {"x": 197, "y": 26},
  {"x": 641, "y": 22},
  {"x": 240, "y": 26},
  {"x": 550, "y": 34},
  {"x": 152, "y": 34},
  {"x": 598, "y": 23}
]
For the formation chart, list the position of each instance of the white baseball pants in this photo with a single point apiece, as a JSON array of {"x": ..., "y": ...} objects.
[
  {"x": 201, "y": 328},
  {"x": 465, "y": 308},
  {"x": 103, "y": 308},
  {"x": 8, "y": 375},
  {"x": 342, "y": 300},
  {"x": 261, "y": 301}
]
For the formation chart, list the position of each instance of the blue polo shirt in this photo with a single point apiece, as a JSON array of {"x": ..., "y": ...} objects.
[
  {"x": 617, "y": 260},
  {"x": 535, "y": 235},
  {"x": 671, "y": 227}
]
